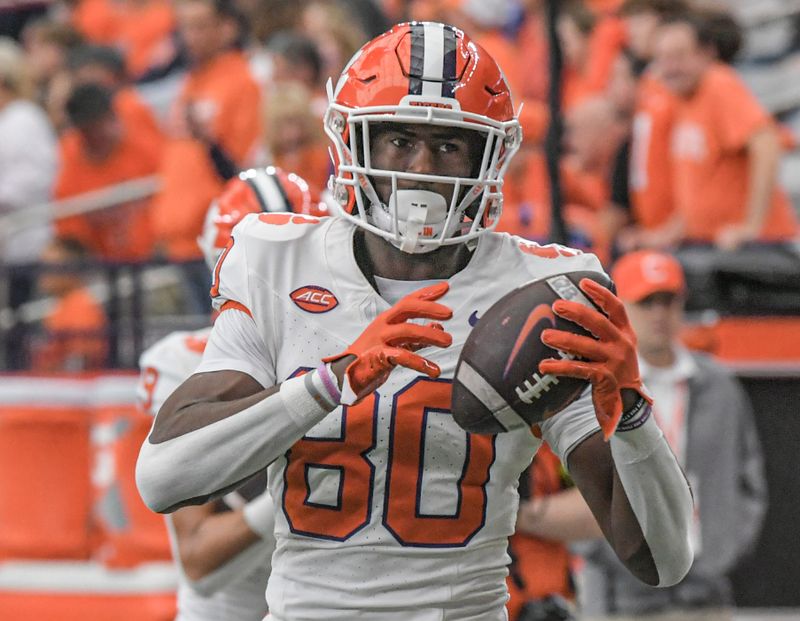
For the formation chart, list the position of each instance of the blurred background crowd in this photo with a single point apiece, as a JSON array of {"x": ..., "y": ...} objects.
[
  {"x": 676, "y": 129},
  {"x": 120, "y": 120}
]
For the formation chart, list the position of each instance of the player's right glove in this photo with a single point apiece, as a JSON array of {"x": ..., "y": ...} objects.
[
  {"x": 609, "y": 362},
  {"x": 390, "y": 341}
]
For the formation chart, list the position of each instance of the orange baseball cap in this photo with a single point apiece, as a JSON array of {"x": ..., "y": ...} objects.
[{"x": 645, "y": 272}]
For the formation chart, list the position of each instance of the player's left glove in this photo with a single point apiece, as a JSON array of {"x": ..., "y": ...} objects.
[{"x": 609, "y": 362}]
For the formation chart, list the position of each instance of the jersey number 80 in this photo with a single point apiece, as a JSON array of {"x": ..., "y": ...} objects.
[{"x": 402, "y": 516}]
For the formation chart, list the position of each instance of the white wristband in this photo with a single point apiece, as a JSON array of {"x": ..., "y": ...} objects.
[
  {"x": 259, "y": 514},
  {"x": 304, "y": 403}
]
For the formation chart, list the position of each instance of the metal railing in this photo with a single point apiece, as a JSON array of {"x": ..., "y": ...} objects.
[{"x": 121, "y": 287}]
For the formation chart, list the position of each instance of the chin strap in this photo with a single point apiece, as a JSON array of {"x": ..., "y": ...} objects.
[{"x": 421, "y": 214}]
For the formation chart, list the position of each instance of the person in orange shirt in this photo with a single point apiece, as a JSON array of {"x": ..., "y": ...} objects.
[
  {"x": 135, "y": 27},
  {"x": 145, "y": 26},
  {"x": 649, "y": 168},
  {"x": 592, "y": 36},
  {"x": 725, "y": 147},
  {"x": 75, "y": 330},
  {"x": 219, "y": 107},
  {"x": 97, "y": 64},
  {"x": 96, "y": 152},
  {"x": 641, "y": 195},
  {"x": 590, "y": 44},
  {"x": 593, "y": 134},
  {"x": 575, "y": 25}
]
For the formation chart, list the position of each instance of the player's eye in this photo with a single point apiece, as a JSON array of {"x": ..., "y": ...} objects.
[
  {"x": 401, "y": 142},
  {"x": 450, "y": 147}
]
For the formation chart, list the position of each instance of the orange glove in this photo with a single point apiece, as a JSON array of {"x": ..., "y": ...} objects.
[
  {"x": 390, "y": 341},
  {"x": 609, "y": 363}
]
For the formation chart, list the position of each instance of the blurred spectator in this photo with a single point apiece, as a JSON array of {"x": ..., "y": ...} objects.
[
  {"x": 28, "y": 161},
  {"x": 214, "y": 127},
  {"x": 643, "y": 183},
  {"x": 527, "y": 204},
  {"x": 294, "y": 134},
  {"x": 96, "y": 152},
  {"x": 575, "y": 26},
  {"x": 14, "y": 15},
  {"x": 725, "y": 157},
  {"x": 296, "y": 58},
  {"x": 136, "y": 28},
  {"x": 370, "y": 16},
  {"x": 725, "y": 32},
  {"x": 590, "y": 44},
  {"x": 47, "y": 44},
  {"x": 707, "y": 420},
  {"x": 74, "y": 336},
  {"x": 268, "y": 17},
  {"x": 335, "y": 31},
  {"x": 540, "y": 575},
  {"x": 531, "y": 42},
  {"x": 642, "y": 19},
  {"x": 27, "y": 155},
  {"x": 593, "y": 135},
  {"x": 96, "y": 64}
]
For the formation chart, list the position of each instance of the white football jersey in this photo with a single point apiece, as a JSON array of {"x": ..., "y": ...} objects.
[
  {"x": 164, "y": 366},
  {"x": 386, "y": 509},
  {"x": 167, "y": 364}
]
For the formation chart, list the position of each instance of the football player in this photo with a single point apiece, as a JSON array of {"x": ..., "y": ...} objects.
[
  {"x": 223, "y": 548},
  {"x": 332, "y": 361}
]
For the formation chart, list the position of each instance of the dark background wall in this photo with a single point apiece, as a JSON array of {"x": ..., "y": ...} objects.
[{"x": 771, "y": 577}]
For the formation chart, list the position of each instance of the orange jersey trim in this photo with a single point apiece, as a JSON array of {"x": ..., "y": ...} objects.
[{"x": 232, "y": 305}]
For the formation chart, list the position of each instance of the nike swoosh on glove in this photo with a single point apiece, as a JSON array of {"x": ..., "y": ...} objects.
[
  {"x": 391, "y": 341},
  {"x": 609, "y": 363}
]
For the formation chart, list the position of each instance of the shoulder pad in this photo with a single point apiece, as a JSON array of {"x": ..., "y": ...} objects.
[{"x": 554, "y": 258}]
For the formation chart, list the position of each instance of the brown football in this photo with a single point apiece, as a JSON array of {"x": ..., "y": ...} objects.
[{"x": 497, "y": 384}]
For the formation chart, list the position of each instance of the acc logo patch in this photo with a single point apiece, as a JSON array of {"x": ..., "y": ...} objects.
[{"x": 314, "y": 299}]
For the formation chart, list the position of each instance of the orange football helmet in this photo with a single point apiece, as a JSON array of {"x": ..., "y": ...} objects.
[
  {"x": 254, "y": 191},
  {"x": 421, "y": 72}
]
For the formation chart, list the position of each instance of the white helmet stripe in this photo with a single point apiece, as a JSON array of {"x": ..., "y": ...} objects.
[{"x": 433, "y": 72}]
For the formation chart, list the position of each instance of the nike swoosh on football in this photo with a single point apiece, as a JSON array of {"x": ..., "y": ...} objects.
[{"x": 542, "y": 311}]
